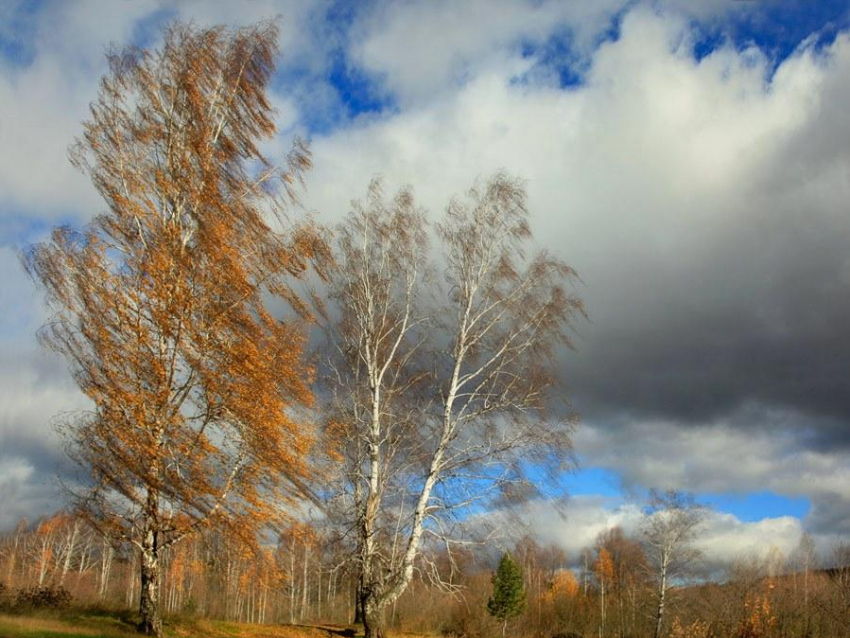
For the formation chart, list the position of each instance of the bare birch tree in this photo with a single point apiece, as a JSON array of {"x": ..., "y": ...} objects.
[
  {"x": 672, "y": 523},
  {"x": 806, "y": 561},
  {"x": 441, "y": 394}
]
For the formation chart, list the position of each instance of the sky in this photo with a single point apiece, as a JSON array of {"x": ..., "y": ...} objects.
[{"x": 691, "y": 160}]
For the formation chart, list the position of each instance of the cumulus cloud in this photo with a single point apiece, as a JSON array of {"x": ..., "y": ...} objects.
[
  {"x": 703, "y": 202},
  {"x": 727, "y": 457},
  {"x": 415, "y": 49},
  {"x": 722, "y": 538},
  {"x": 45, "y": 89},
  {"x": 44, "y": 99}
]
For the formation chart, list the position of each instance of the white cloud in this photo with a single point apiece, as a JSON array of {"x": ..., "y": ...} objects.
[
  {"x": 725, "y": 538},
  {"x": 676, "y": 189},
  {"x": 43, "y": 102},
  {"x": 724, "y": 457},
  {"x": 418, "y": 49},
  {"x": 758, "y": 451},
  {"x": 722, "y": 539}
]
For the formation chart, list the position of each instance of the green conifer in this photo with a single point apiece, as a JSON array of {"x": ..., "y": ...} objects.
[{"x": 508, "y": 599}]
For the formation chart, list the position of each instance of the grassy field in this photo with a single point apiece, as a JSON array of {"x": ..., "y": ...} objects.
[{"x": 81, "y": 624}]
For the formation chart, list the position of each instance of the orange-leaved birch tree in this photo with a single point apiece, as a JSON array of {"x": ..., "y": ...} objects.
[
  {"x": 442, "y": 393},
  {"x": 604, "y": 568},
  {"x": 628, "y": 573},
  {"x": 160, "y": 302}
]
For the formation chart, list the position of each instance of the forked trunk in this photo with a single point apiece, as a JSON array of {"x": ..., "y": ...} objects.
[{"x": 151, "y": 621}]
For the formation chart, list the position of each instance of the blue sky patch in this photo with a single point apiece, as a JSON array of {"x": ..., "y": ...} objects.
[
  {"x": 776, "y": 27},
  {"x": 17, "y": 35},
  {"x": 357, "y": 92},
  {"x": 593, "y": 481},
  {"x": 756, "y": 506}
]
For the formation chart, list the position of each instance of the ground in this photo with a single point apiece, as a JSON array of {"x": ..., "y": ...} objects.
[{"x": 87, "y": 624}]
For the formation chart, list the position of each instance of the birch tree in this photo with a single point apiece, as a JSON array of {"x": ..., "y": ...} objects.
[
  {"x": 441, "y": 391},
  {"x": 672, "y": 523},
  {"x": 806, "y": 561},
  {"x": 160, "y": 301}
]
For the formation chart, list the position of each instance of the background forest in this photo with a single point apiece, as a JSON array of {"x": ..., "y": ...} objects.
[{"x": 309, "y": 577}]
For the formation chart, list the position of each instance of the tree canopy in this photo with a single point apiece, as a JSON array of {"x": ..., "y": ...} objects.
[{"x": 508, "y": 600}]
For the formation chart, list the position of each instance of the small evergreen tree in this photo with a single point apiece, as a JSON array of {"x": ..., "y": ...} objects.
[{"x": 508, "y": 599}]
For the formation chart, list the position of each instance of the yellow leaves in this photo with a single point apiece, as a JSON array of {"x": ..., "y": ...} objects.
[
  {"x": 758, "y": 619},
  {"x": 335, "y": 434},
  {"x": 300, "y": 533},
  {"x": 604, "y": 566},
  {"x": 697, "y": 629},
  {"x": 564, "y": 586},
  {"x": 161, "y": 300}
]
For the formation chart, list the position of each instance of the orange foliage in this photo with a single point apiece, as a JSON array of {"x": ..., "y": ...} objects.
[
  {"x": 758, "y": 619},
  {"x": 563, "y": 586},
  {"x": 604, "y": 566},
  {"x": 160, "y": 302},
  {"x": 697, "y": 629}
]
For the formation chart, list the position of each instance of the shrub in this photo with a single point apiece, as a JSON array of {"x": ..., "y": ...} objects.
[{"x": 45, "y": 597}]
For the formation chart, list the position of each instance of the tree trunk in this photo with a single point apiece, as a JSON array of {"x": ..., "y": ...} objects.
[
  {"x": 305, "y": 582},
  {"x": 358, "y": 604},
  {"x": 105, "y": 567},
  {"x": 131, "y": 584},
  {"x": 292, "y": 586},
  {"x": 602, "y": 614},
  {"x": 72, "y": 542},
  {"x": 151, "y": 621},
  {"x": 662, "y": 592},
  {"x": 373, "y": 618}
]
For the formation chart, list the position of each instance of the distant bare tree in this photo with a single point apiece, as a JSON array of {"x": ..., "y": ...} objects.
[
  {"x": 806, "y": 560},
  {"x": 672, "y": 523},
  {"x": 440, "y": 401}
]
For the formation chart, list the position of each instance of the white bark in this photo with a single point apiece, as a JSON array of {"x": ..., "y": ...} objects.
[{"x": 503, "y": 315}]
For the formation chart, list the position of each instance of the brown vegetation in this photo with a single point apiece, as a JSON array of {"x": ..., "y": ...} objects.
[{"x": 310, "y": 578}]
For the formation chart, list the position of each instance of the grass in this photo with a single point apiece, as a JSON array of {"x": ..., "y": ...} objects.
[
  {"x": 101, "y": 624},
  {"x": 43, "y": 627}
]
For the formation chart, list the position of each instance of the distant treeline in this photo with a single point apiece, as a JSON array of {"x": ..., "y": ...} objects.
[{"x": 308, "y": 576}]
